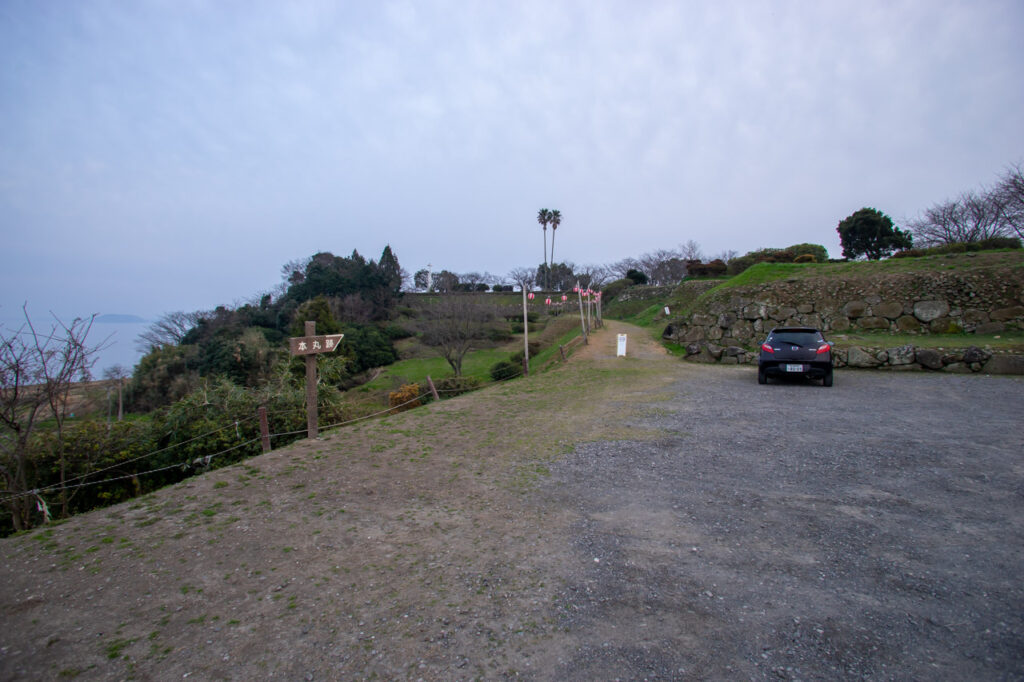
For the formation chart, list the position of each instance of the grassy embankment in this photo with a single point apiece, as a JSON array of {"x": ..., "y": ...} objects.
[
  {"x": 421, "y": 362},
  {"x": 650, "y": 313}
]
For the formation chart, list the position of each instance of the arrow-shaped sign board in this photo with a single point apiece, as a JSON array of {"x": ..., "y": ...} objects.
[{"x": 310, "y": 345}]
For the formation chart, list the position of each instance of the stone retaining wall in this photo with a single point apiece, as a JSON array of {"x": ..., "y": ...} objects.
[
  {"x": 643, "y": 292},
  {"x": 983, "y": 301},
  {"x": 958, "y": 360}
]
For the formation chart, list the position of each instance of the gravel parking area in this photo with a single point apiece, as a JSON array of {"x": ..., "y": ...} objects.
[
  {"x": 637, "y": 519},
  {"x": 870, "y": 530}
]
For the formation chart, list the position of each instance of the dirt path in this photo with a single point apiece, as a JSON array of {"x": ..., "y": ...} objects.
[
  {"x": 633, "y": 518},
  {"x": 639, "y": 344}
]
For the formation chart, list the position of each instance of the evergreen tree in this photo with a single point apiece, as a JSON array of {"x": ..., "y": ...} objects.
[{"x": 870, "y": 233}]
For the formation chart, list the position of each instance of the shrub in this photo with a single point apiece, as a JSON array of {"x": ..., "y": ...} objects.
[
  {"x": 534, "y": 350},
  {"x": 989, "y": 244},
  {"x": 910, "y": 253},
  {"x": 637, "y": 276},
  {"x": 506, "y": 369},
  {"x": 790, "y": 254},
  {"x": 453, "y": 386},
  {"x": 805, "y": 258},
  {"x": 818, "y": 251},
  {"x": 163, "y": 375},
  {"x": 367, "y": 346},
  {"x": 396, "y": 331},
  {"x": 499, "y": 334},
  {"x": 94, "y": 445},
  {"x": 615, "y": 288},
  {"x": 741, "y": 263},
  {"x": 999, "y": 243},
  {"x": 405, "y": 398},
  {"x": 715, "y": 268}
]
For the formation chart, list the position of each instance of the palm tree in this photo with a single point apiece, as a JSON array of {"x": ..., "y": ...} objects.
[
  {"x": 556, "y": 219},
  {"x": 544, "y": 217}
]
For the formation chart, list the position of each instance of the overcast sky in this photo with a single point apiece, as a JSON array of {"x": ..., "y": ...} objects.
[{"x": 160, "y": 156}]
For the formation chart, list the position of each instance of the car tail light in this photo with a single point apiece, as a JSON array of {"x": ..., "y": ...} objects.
[
  {"x": 766, "y": 348},
  {"x": 824, "y": 349}
]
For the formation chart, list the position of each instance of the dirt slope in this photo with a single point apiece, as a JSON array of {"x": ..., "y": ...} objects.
[{"x": 401, "y": 547}]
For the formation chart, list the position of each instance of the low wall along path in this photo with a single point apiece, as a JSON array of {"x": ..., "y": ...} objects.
[{"x": 978, "y": 302}]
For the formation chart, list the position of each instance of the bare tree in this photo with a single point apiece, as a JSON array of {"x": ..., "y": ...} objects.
[
  {"x": 691, "y": 251},
  {"x": 407, "y": 280},
  {"x": 973, "y": 216},
  {"x": 488, "y": 278},
  {"x": 940, "y": 224},
  {"x": 593, "y": 276},
  {"x": 294, "y": 271},
  {"x": 37, "y": 370},
  {"x": 353, "y": 308},
  {"x": 648, "y": 262},
  {"x": 117, "y": 374},
  {"x": 524, "y": 278},
  {"x": 472, "y": 281},
  {"x": 169, "y": 330},
  {"x": 453, "y": 324},
  {"x": 620, "y": 268},
  {"x": 1010, "y": 191},
  {"x": 985, "y": 213},
  {"x": 664, "y": 266},
  {"x": 667, "y": 271}
]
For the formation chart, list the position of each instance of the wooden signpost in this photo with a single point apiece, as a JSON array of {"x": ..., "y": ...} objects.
[{"x": 311, "y": 345}]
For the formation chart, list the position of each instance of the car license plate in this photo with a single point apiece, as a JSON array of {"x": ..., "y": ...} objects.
[{"x": 794, "y": 368}]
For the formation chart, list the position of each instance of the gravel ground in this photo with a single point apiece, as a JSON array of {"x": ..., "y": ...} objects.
[
  {"x": 871, "y": 530},
  {"x": 638, "y": 518}
]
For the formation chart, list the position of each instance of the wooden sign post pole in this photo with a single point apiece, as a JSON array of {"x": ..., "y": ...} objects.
[
  {"x": 583, "y": 319},
  {"x": 311, "y": 422},
  {"x": 312, "y": 345},
  {"x": 526, "y": 335}
]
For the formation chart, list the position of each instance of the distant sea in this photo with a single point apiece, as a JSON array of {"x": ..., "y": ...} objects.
[
  {"x": 122, "y": 330},
  {"x": 119, "y": 331}
]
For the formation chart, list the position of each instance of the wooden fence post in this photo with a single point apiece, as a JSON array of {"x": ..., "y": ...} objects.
[
  {"x": 433, "y": 391},
  {"x": 583, "y": 319},
  {"x": 561, "y": 349},
  {"x": 264, "y": 429}
]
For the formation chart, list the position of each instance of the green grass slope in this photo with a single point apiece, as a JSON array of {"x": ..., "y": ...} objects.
[{"x": 687, "y": 298}]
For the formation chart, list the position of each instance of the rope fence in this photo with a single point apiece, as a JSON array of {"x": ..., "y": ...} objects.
[{"x": 473, "y": 382}]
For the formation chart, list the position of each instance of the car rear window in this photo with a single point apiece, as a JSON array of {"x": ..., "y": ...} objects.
[{"x": 797, "y": 338}]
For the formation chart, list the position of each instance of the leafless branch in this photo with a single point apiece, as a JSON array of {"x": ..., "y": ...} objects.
[{"x": 169, "y": 330}]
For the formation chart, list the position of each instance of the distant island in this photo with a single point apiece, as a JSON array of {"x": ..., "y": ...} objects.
[{"x": 119, "y": 319}]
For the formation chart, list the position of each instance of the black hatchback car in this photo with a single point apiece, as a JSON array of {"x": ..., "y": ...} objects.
[{"x": 795, "y": 352}]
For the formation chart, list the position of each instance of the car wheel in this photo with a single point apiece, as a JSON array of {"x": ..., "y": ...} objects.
[
  {"x": 827, "y": 379},
  {"x": 762, "y": 378}
]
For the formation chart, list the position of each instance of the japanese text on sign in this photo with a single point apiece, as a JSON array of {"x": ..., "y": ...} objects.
[{"x": 308, "y": 345}]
